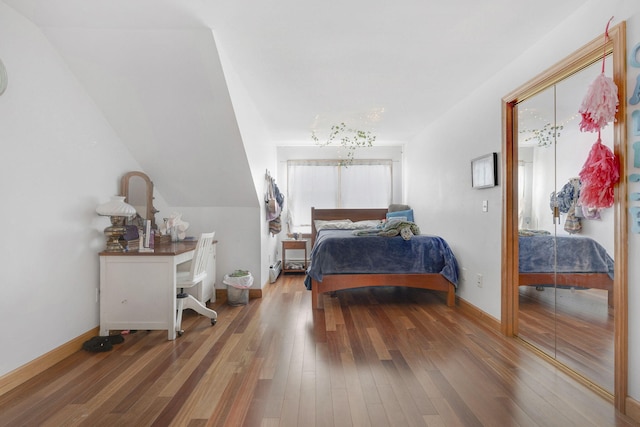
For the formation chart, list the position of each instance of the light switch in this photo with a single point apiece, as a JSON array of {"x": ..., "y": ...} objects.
[{"x": 485, "y": 206}]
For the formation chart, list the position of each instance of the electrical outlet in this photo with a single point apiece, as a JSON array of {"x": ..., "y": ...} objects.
[
  {"x": 479, "y": 280},
  {"x": 463, "y": 275},
  {"x": 97, "y": 294},
  {"x": 485, "y": 206}
]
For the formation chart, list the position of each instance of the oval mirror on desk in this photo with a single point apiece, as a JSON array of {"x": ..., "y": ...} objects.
[{"x": 137, "y": 189}]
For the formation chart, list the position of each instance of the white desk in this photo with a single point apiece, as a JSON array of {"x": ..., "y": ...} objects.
[{"x": 138, "y": 289}]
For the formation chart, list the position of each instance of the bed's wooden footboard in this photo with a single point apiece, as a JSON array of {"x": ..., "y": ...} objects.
[{"x": 336, "y": 282}]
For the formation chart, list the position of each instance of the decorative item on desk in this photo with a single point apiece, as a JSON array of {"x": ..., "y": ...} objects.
[
  {"x": 163, "y": 239},
  {"x": 118, "y": 211},
  {"x": 129, "y": 240},
  {"x": 175, "y": 227},
  {"x": 147, "y": 234}
]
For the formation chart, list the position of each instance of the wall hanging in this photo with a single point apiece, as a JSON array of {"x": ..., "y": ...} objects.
[
  {"x": 274, "y": 201},
  {"x": 601, "y": 170}
]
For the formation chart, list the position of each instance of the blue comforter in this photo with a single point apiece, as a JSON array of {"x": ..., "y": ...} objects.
[
  {"x": 575, "y": 255},
  {"x": 341, "y": 252}
]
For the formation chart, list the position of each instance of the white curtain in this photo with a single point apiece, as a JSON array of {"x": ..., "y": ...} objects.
[
  {"x": 327, "y": 184},
  {"x": 366, "y": 186}
]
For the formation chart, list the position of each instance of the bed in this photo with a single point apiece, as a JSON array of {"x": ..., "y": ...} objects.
[
  {"x": 424, "y": 262},
  {"x": 581, "y": 262}
]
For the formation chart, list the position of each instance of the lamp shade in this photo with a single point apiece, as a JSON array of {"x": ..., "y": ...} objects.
[{"x": 116, "y": 207}]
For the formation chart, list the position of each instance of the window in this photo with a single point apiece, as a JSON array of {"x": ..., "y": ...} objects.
[{"x": 328, "y": 184}]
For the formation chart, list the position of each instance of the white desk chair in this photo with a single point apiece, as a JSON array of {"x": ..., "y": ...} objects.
[{"x": 187, "y": 279}]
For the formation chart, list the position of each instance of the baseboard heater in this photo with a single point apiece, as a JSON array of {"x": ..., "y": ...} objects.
[{"x": 274, "y": 271}]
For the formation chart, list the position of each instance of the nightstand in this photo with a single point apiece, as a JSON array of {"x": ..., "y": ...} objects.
[{"x": 293, "y": 244}]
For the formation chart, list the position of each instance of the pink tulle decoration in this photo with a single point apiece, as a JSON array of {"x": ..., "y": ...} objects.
[
  {"x": 599, "y": 105},
  {"x": 601, "y": 171}
]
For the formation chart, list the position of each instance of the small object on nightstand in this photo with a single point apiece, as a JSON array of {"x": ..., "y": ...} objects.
[{"x": 290, "y": 267}]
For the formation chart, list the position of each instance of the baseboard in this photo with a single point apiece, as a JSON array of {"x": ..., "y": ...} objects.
[
  {"x": 221, "y": 294},
  {"x": 477, "y": 314},
  {"x": 632, "y": 408},
  {"x": 22, "y": 374}
]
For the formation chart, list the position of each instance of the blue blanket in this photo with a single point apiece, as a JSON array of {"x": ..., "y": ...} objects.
[
  {"x": 341, "y": 252},
  {"x": 575, "y": 255}
]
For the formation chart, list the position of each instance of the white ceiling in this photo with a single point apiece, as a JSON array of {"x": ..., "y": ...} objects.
[{"x": 152, "y": 66}]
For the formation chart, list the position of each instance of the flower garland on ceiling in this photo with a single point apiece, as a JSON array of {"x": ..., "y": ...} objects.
[{"x": 349, "y": 138}]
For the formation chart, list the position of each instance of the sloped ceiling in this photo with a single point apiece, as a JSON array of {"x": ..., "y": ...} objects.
[{"x": 153, "y": 68}]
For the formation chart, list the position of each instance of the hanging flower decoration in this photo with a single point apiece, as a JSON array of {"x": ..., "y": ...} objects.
[
  {"x": 349, "y": 139},
  {"x": 601, "y": 170},
  {"x": 600, "y": 105},
  {"x": 600, "y": 173}
]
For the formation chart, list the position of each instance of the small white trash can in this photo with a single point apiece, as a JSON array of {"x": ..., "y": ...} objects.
[{"x": 238, "y": 284}]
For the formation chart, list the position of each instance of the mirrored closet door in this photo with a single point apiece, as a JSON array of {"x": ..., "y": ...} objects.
[
  {"x": 576, "y": 317},
  {"x": 565, "y": 304}
]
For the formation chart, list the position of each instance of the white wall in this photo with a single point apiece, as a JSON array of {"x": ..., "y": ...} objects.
[
  {"x": 262, "y": 158},
  {"x": 60, "y": 160},
  {"x": 438, "y": 159},
  {"x": 237, "y": 232}
]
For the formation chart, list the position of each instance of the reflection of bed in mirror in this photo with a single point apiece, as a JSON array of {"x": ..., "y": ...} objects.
[
  {"x": 581, "y": 262},
  {"x": 426, "y": 266}
]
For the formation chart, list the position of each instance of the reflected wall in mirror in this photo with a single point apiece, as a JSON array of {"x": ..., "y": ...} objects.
[
  {"x": 137, "y": 189},
  {"x": 563, "y": 275}
]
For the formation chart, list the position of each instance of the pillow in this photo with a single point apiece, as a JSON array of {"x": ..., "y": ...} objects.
[
  {"x": 338, "y": 224},
  {"x": 369, "y": 223},
  {"x": 408, "y": 215}
]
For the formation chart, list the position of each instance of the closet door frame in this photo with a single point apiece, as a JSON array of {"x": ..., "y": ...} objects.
[{"x": 588, "y": 54}]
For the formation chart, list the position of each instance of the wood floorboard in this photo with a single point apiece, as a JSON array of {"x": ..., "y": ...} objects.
[{"x": 372, "y": 357}]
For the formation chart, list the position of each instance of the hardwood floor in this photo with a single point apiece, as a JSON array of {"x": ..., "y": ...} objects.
[
  {"x": 373, "y": 357},
  {"x": 575, "y": 326}
]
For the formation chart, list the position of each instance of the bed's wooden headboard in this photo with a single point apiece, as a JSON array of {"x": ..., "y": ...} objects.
[{"x": 352, "y": 214}]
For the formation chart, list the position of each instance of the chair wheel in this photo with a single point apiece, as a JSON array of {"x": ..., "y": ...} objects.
[
  {"x": 180, "y": 333},
  {"x": 213, "y": 321}
]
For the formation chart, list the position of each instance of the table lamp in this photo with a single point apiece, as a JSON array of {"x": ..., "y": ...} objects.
[{"x": 118, "y": 211}]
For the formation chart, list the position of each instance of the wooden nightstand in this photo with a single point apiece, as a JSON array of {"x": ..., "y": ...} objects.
[{"x": 293, "y": 244}]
